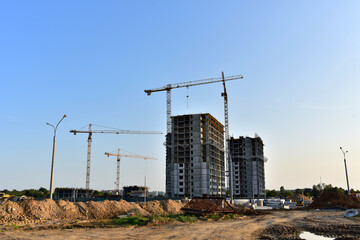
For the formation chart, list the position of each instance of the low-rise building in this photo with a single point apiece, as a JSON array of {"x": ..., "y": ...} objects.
[
  {"x": 69, "y": 193},
  {"x": 135, "y": 191}
]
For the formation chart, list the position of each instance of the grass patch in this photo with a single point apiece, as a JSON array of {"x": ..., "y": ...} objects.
[
  {"x": 181, "y": 217},
  {"x": 186, "y": 218},
  {"x": 231, "y": 216},
  {"x": 214, "y": 216},
  {"x": 135, "y": 220},
  {"x": 141, "y": 221},
  {"x": 160, "y": 219},
  {"x": 15, "y": 226},
  {"x": 221, "y": 216}
]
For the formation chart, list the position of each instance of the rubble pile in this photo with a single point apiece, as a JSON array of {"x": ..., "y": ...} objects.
[
  {"x": 49, "y": 210},
  {"x": 337, "y": 200}
]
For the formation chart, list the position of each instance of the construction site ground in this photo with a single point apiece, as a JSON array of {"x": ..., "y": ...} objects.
[
  {"x": 48, "y": 219},
  {"x": 275, "y": 225}
]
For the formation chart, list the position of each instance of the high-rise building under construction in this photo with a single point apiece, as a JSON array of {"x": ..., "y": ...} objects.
[
  {"x": 247, "y": 157},
  {"x": 195, "y": 156}
]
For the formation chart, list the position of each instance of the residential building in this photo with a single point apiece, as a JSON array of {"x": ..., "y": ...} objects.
[
  {"x": 247, "y": 157},
  {"x": 195, "y": 157}
]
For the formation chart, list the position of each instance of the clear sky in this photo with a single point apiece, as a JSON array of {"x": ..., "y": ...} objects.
[{"x": 92, "y": 60}]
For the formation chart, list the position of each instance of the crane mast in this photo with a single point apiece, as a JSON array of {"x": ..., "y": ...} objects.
[
  {"x": 88, "y": 158},
  {"x": 169, "y": 87},
  {"x": 226, "y": 147},
  {"x": 118, "y": 157},
  {"x": 90, "y": 132}
]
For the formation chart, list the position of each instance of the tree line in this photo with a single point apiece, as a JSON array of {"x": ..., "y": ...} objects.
[
  {"x": 40, "y": 193},
  {"x": 314, "y": 192}
]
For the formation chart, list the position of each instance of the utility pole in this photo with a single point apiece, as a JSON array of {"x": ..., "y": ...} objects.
[
  {"x": 347, "y": 179},
  {"x": 145, "y": 189},
  {"x": 53, "y": 156}
]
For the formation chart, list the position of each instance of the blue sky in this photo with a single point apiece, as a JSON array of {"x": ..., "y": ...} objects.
[{"x": 92, "y": 60}]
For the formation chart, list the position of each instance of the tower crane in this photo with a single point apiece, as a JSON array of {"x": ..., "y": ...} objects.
[
  {"x": 226, "y": 149},
  {"x": 118, "y": 156},
  {"x": 222, "y": 79},
  {"x": 169, "y": 87},
  {"x": 90, "y": 132}
]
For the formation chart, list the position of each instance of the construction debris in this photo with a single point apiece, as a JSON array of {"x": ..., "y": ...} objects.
[
  {"x": 351, "y": 213},
  {"x": 206, "y": 205}
]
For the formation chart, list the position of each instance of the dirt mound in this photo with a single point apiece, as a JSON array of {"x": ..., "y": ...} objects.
[
  {"x": 11, "y": 211},
  {"x": 162, "y": 207},
  {"x": 45, "y": 210},
  {"x": 49, "y": 209},
  {"x": 171, "y": 206},
  {"x": 280, "y": 232},
  {"x": 334, "y": 199},
  {"x": 153, "y": 207},
  {"x": 111, "y": 209},
  {"x": 247, "y": 211}
]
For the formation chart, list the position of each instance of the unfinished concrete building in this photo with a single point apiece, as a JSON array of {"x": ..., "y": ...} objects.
[
  {"x": 247, "y": 156},
  {"x": 195, "y": 157}
]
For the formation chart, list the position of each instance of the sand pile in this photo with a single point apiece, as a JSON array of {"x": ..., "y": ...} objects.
[
  {"x": 162, "y": 207},
  {"x": 334, "y": 199},
  {"x": 11, "y": 211},
  {"x": 44, "y": 210},
  {"x": 49, "y": 209},
  {"x": 111, "y": 209},
  {"x": 171, "y": 206},
  {"x": 153, "y": 207}
]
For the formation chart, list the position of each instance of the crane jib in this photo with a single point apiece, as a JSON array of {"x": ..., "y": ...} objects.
[{"x": 192, "y": 83}]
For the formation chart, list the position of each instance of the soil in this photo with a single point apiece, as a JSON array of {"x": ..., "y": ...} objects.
[
  {"x": 276, "y": 225},
  {"x": 32, "y": 211},
  {"x": 66, "y": 220},
  {"x": 335, "y": 200}
]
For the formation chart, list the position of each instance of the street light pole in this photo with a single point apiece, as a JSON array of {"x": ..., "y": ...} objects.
[
  {"x": 347, "y": 179},
  {"x": 53, "y": 156}
]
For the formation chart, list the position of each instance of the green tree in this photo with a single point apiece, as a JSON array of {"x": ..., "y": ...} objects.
[
  {"x": 271, "y": 193},
  {"x": 289, "y": 194},
  {"x": 282, "y": 192},
  {"x": 298, "y": 191},
  {"x": 316, "y": 191},
  {"x": 44, "y": 191}
]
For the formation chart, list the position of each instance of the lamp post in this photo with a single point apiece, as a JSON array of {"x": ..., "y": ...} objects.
[
  {"x": 347, "y": 179},
  {"x": 53, "y": 155}
]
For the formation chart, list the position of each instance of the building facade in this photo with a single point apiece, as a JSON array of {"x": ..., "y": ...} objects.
[
  {"x": 247, "y": 155},
  {"x": 69, "y": 193},
  {"x": 195, "y": 157},
  {"x": 135, "y": 191}
]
